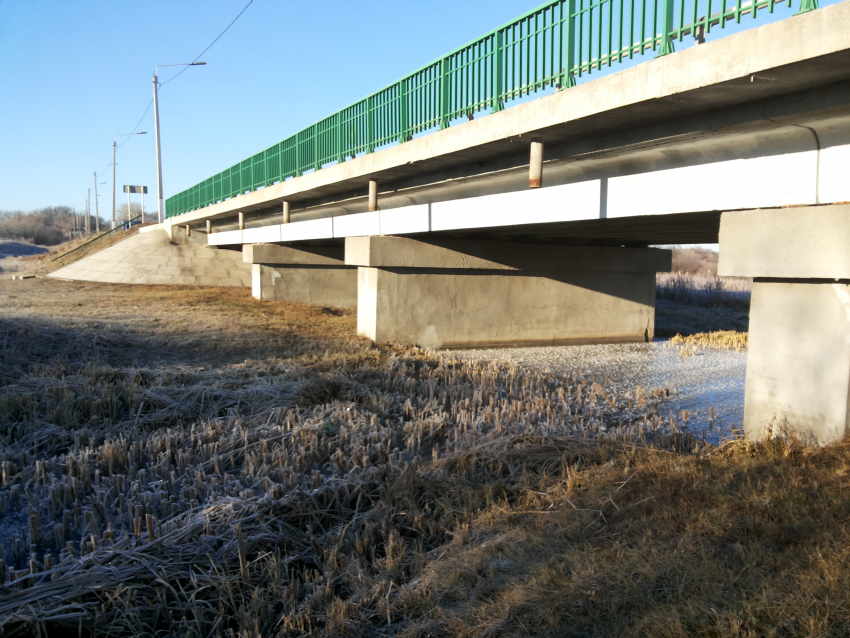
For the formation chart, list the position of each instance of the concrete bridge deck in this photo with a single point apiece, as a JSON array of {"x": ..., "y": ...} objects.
[{"x": 756, "y": 119}]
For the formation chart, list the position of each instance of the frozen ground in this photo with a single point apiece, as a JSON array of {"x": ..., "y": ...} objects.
[{"x": 709, "y": 386}]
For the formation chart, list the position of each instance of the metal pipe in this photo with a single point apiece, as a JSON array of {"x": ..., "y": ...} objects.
[
  {"x": 286, "y": 213},
  {"x": 373, "y": 195},
  {"x": 535, "y": 167},
  {"x": 241, "y": 221}
]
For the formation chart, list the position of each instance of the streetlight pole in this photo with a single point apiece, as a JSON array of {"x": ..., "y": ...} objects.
[
  {"x": 160, "y": 202},
  {"x": 96, "y": 210},
  {"x": 114, "y": 148}
]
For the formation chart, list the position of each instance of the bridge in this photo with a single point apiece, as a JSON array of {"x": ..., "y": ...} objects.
[{"x": 448, "y": 219}]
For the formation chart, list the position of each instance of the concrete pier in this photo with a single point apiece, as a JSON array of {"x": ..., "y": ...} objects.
[
  {"x": 458, "y": 293},
  {"x": 798, "y": 362},
  {"x": 307, "y": 274}
]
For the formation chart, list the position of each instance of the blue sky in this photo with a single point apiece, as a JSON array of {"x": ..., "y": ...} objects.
[{"x": 77, "y": 73}]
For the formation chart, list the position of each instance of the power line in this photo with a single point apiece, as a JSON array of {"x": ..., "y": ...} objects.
[
  {"x": 136, "y": 128},
  {"x": 211, "y": 44}
]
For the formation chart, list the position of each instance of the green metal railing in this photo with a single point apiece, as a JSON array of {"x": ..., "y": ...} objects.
[{"x": 544, "y": 48}]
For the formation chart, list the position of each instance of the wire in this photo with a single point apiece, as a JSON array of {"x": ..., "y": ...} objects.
[
  {"x": 161, "y": 84},
  {"x": 136, "y": 128},
  {"x": 211, "y": 44}
]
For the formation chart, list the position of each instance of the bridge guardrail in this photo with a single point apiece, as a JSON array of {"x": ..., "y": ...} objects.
[{"x": 547, "y": 47}]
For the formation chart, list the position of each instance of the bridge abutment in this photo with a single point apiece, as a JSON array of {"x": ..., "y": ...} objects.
[
  {"x": 314, "y": 275},
  {"x": 798, "y": 361},
  {"x": 459, "y": 293}
]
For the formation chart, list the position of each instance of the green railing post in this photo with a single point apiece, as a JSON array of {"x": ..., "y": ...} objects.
[
  {"x": 317, "y": 162},
  {"x": 444, "y": 92},
  {"x": 806, "y": 6},
  {"x": 666, "y": 28},
  {"x": 402, "y": 111},
  {"x": 340, "y": 138},
  {"x": 498, "y": 71},
  {"x": 370, "y": 124},
  {"x": 298, "y": 170},
  {"x": 568, "y": 78}
]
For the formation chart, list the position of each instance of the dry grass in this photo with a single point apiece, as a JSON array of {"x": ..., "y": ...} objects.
[
  {"x": 153, "y": 484},
  {"x": 721, "y": 340}
]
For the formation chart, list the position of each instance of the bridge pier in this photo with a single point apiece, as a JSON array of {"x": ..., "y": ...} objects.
[
  {"x": 458, "y": 293},
  {"x": 308, "y": 274},
  {"x": 798, "y": 361}
]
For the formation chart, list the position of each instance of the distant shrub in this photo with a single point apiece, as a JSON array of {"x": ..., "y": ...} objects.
[
  {"x": 47, "y": 226},
  {"x": 676, "y": 287}
]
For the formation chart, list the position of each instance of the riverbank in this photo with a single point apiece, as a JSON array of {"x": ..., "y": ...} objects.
[{"x": 193, "y": 462}]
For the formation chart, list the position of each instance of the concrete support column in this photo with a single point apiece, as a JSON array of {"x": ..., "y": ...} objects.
[
  {"x": 373, "y": 196},
  {"x": 535, "y": 167},
  {"x": 798, "y": 360},
  {"x": 188, "y": 230},
  {"x": 209, "y": 227},
  {"x": 309, "y": 274},
  {"x": 286, "y": 213},
  {"x": 241, "y": 221},
  {"x": 456, "y": 293}
]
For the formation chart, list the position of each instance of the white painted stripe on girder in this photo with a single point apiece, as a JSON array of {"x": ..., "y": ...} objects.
[
  {"x": 835, "y": 174},
  {"x": 760, "y": 182},
  {"x": 569, "y": 202},
  {"x": 311, "y": 229},
  {"x": 357, "y": 225},
  {"x": 405, "y": 220},
  {"x": 262, "y": 235},
  {"x": 226, "y": 238}
]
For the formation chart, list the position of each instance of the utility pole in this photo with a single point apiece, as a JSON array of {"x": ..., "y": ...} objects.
[
  {"x": 88, "y": 212},
  {"x": 113, "y": 184},
  {"x": 159, "y": 203},
  {"x": 96, "y": 210}
]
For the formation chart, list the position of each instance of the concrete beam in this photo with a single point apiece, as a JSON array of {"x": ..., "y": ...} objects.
[
  {"x": 403, "y": 252},
  {"x": 479, "y": 293},
  {"x": 301, "y": 256},
  {"x": 812, "y": 242},
  {"x": 319, "y": 285}
]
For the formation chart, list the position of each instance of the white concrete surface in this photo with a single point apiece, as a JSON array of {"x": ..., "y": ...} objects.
[
  {"x": 263, "y": 235},
  {"x": 569, "y": 202},
  {"x": 788, "y": 243},
  {"x": 312, "y": 229},
  {"x": 357, "y": 225},
  {"x": 151, "y": 258},
  {"x": 407, "y": 220}
]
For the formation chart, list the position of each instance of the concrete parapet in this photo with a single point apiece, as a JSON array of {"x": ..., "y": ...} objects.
[
  {"x": 480, "y": 294},
  {"x": 798, "y": 362}
]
